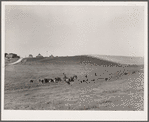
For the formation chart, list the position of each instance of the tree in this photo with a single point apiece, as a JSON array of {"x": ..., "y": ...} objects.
[{"x": 6, "y": 54}]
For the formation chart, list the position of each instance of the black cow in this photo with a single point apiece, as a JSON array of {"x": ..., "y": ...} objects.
[
  {"x": 133, "y": 72},
  {"x": 85, "y": 81},
  {"x": 51, "y": 80},
  {"x": 68, "y": 80},
  {"x": 31, "y": 81},
  {"x": 93, "y": 80},
  {"x": 71, "y": 78},
  {"x": 46, "y": 80},
  {"x": 106, "y": 79},
  {"x": 58, "y": 79},
  {"x": 125, "y": 73}
]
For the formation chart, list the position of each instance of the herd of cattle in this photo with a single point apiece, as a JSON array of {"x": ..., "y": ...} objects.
[
  {"x": 68, "y": 80},
  {"x": 57, "y": 79}
]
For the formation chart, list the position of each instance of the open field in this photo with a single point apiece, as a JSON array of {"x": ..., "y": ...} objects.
[{"x": 124, "y": 89}]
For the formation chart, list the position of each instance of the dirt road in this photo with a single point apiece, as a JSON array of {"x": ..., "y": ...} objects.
[{"x": 16, "y": 61}]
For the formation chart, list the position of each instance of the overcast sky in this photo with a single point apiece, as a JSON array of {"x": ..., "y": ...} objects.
[{"x": 74, "y": 30}]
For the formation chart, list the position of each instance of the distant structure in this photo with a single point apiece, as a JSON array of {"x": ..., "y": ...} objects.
[
  {"x": 6, "y": 55},
  {"x": 39, "y": 56},
  {"x": 51, "y": 56},
  {"x": 30, "y": 56},
  {"x": 12, "y": 55}
]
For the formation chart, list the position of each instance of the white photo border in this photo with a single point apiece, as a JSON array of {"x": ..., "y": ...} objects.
[{"x": 76, "y": 115}]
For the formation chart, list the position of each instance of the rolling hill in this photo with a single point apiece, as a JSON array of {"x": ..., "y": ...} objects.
[{"x": 123, "y": 90}]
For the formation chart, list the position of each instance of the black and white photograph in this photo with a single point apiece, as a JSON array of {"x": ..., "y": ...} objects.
[{"x": 74, "y": 60}]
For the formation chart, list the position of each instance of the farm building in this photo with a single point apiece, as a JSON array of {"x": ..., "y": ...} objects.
[
  {"x": 30, "y": 56},
  {"x": 51, "y": 56},
  {"x": 39, "y": 56},
  {"x": 12, "y": 55}
]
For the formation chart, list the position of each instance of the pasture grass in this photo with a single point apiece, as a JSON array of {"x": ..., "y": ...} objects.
[{"x": 120, "y": 92}]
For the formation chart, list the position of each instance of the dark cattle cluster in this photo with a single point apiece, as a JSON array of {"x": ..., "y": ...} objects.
[
  {"x": 31, "y": 81},
  {"x": 57, "y": 79},
  {"x": 46, "y": 80},
  {"x": 50, "y": 80},
  {"x": 86, "y": 79},
  {"x": 68, "y": 80}
]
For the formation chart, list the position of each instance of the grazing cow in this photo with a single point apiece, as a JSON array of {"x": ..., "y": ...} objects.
[
  {"x": 106, "y": 79},
  {"x": 47, "y": 80},
  {"x": 75, "y": 77},
  {"x": 71, "y": 78},
  {"x": 66, "y": 79},
  {"x": 68, "y": 82},
  {"x": 86, "y": 76},
  {"x": 31, "y": 81},
  {"x": 41, "y": 80},
  {"x": 133, "y": 72},
  {"x": 58, "y": 79},
  {"x": 93, "y": 80},
  {"x": 95, "y": 74},
  {"x": 125, "y": 73},
  {"x": 51, "y": 80},
  {"x": 85, "y": 81}
]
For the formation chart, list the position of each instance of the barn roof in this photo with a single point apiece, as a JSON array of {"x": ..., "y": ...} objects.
[{"x": 39, "y": 55}]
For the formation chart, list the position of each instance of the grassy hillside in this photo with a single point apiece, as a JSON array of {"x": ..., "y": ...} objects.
[
  {"x": 121, "y": 92},
  {"x": 121, "y": 59},
  {"x": 71, "y": 60},
  {"x": 92, "y": 59}
]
